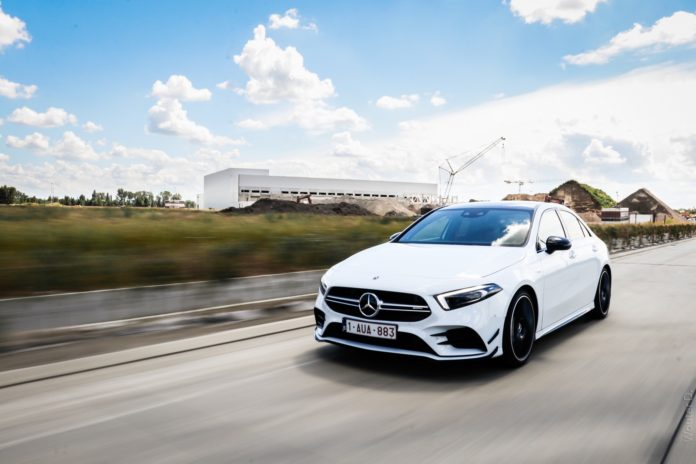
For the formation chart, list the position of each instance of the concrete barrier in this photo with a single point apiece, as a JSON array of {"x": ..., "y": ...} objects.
[{"x": 48, "y": 312}]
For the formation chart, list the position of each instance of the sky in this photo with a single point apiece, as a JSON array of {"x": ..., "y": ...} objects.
[{"x": 152, "y": 95}]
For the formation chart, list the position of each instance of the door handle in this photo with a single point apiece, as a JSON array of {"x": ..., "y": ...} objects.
[
  {"x": 571, "y": 255},
  {"x": 594, "y": 248}
]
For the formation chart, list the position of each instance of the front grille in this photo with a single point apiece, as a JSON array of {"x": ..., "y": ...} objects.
[
  {"x": 404, "y": 341},
  {"x": 395, "y": 306}
]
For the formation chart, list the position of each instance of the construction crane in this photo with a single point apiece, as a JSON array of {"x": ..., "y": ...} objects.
[
  {"x": 519, "y": 183},
  {"x": 451, "y": 171}
]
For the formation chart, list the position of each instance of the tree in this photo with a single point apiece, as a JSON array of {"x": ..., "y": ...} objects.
[{"x": 7, "y": 194}]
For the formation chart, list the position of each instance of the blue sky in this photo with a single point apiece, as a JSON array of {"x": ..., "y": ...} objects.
[{"x": 492, "y": 65}]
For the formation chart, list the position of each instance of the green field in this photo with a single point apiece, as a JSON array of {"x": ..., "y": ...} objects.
[{"x": 47, "y": 249}]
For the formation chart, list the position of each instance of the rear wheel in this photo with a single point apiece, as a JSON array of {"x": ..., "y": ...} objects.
[
  {"x": 519, "y": 331},
  {"x": 602, "y": 296}
]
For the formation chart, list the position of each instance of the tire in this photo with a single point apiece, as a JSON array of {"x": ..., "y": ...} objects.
[
  {"x": 602, "y": 296},
  {"x": 519, "y": 331}
]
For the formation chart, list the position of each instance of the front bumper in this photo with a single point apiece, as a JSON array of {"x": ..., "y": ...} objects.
[{"x": 472, "y": 332}]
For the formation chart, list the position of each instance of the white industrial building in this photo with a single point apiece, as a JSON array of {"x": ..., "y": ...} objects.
[{"x": 241, "y": 187}]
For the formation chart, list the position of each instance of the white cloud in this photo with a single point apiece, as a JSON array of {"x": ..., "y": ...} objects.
[
  {"x": 69, "y": 146},
  {"x": 290, "y": 20},
  {"x": 394, "y": 103},
  {"x": 180, "y": 88},
  {"x": 225, "y": 85},
  {"x": 667, "y": 32},
  {"x": 277, "y": 74},
  {"x": 92, "y": 127},
  {"x": 311, "y": 27},
  {"x": 12, "y": 31},
  {"x": 318, "y": 117},
  {"x": 73, "y": 147},
  {"x": 547, "y": 132},
  {"x": 547, "y": 11},
  {"x": 598, "y": 153},
  {"x": 168, "y": 117},
  {"x": 345, "y": 145},
  {"x": 53, "y": 117},
  {"x": 4, "y": 158},
  {"x": 153, "y": 156},
  {"x": 253, "y": 124},
  {"x": 217, "y": 156},
  {"x": 14, "y": 90},
  {"x": 34, "y": 142},
  {"x": 499, "y": 95},
  {"x": 132, "y": 168},
  {"x": 410, "y": 125},
  {"x": 437, "y": 99}
]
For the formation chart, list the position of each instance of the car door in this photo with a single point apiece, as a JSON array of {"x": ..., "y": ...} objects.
[
  {"x": 556, "y": 274},
  {"x": 583, "y": 258}
]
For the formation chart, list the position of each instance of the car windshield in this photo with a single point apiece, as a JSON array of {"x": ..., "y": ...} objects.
[{"x": 472, "y": 226}]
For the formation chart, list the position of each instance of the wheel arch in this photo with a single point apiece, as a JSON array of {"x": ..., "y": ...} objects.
[{"x": 535, "y": 300}]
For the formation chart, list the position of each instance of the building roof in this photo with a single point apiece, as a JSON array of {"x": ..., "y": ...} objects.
[
  {"x": 598, "y": 197},
  {"x": 645, "y": 202}
]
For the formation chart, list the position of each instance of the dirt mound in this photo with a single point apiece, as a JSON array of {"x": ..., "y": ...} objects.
[
  {"x": 266, "y": 205},
  {"x": 390, "y": 207}
]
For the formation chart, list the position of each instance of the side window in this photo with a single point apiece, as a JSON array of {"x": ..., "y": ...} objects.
[
  {"x": 571, "y": 225},
  {"x": 585, "y": 229},
  {"x": 549, "y": 225}
]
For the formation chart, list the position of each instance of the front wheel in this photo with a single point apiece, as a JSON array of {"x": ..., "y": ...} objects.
[
  {"x": 519, "y": 331},
  {"x": 602, "y": 296}
]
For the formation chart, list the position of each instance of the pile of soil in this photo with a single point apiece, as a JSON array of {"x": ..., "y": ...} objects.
[{"x": 267, "y": 205}]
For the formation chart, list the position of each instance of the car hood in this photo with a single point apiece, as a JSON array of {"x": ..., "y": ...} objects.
[{"x": 394, "y": 263}]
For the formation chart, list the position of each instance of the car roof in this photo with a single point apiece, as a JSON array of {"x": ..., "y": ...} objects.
[{"x": 501, "y": 204}]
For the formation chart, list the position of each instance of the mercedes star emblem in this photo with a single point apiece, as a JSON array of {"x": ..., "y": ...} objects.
[{"x": 369, "y": 304}]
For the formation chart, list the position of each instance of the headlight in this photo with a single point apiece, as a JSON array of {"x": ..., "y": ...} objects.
[
  {"x": 322, "y": 286},
  {"x": 466, "y": 296}
]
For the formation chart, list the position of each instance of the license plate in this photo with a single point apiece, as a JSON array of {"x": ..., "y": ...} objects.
[{"x": 370, "y": 329}]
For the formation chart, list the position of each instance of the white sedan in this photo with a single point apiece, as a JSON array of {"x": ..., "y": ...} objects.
[{"x": 468, "y": 281}]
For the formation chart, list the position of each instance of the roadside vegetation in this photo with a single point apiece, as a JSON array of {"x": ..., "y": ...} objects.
[
  {"x": 48, "y": 249},
  {"x": 621, "y": 236}
]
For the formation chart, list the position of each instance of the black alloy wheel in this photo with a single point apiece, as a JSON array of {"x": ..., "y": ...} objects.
[
  {"x": 602, "y": 296},
  {"x": 520, "y": 330}
]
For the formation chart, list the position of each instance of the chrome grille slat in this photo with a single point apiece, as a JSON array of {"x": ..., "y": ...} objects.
[
  {"x": 395, "y": 306},
  {"x": 342, "y": 299},
  {"x": 382, "y": 308}
]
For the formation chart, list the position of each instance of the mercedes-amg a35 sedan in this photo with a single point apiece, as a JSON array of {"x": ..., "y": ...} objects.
[{"x": 468, "y": 281}]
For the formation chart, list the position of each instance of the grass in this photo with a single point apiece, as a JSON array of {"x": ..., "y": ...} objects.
[
  {"x": 45, "y": 249},
  {"x": 68, "y": 249}
]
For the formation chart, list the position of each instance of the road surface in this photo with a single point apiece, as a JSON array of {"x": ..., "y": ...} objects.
[{"x": 609, "y": 391}]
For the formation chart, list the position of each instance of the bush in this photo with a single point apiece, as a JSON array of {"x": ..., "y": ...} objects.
[
  {"x": 650, "y": 233},
  {"x": 69, "y": 249}
]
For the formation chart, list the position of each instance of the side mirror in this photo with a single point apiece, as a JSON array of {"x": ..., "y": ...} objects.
[
  {"x": 394, "y": 236},
  {"x": 554, "y": 243}
]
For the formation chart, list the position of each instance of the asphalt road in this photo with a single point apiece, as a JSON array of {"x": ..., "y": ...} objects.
[{"x": 610, "y": 391}]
